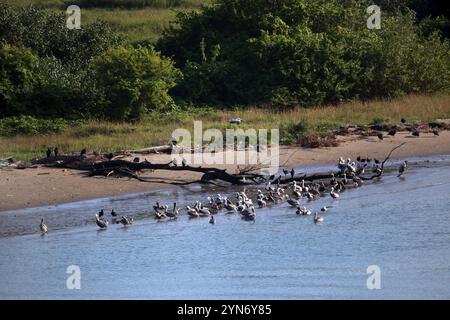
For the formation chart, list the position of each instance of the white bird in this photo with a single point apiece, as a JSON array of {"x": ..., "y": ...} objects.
[
  {"x": 317, "y": 218},
  {"x": 192, "y": 212},
  {"x": 334, "y": 194},
  {"x": 43, "y": 227}
]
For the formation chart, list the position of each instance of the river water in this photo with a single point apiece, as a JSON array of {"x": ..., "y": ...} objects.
[{"x": 402, "y": 226}]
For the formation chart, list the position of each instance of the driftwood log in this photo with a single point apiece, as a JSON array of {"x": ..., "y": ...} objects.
[{"x": 99, "y": 165}]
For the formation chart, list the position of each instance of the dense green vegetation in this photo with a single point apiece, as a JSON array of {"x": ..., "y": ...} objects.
[
  {"x": 270, "y": 53},
  {"x": 301, "y": 52}
]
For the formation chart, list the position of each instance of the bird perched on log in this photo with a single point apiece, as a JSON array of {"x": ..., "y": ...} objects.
[
  {"x": 136, "y": 160},
  {"x": 184, "y": 162},
  {"x": 380, "y": 136},
  {"x": 83, "y": 152},
  {"x": 402, "y": 168},
  {"x": 48, "y": 152},
  {"x": 56, "y": 151},
  {"x": 392, "y": 132},
  {"x": 43, "y": 227}
]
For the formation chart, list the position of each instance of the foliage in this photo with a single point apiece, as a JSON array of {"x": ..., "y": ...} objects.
[
  {"x": 137, "y": 80},
  {"x": 28, "y": 125},
  {"x": 301, "y": 53}
]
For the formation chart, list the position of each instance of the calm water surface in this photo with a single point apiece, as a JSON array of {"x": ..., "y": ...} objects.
[{"x": 401, "y": 225}]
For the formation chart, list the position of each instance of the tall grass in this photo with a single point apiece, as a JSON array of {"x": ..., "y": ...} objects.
[
  {"x": 137, "y": 20},
  {"x": 156, "y": 129}
]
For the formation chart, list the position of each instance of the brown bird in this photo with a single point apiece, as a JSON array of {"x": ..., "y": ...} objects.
[
  {"x": 83, "y": 152},
  {"x": 392, "y": 132},
  {"x": 56, "y": 151},
  {"x": 380, "y": 136},
  {"x": 110, "y": 156},
  {"x": 403, "y": 120},
  {"x": 49, "y": 152},
  {"x": 416, "y": 133},
  {"x": 436, "y": 132},
  {"x": 137, "y": 160}
]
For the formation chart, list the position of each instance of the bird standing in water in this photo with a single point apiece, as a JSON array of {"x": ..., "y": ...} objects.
[
  {"x": 43, "y": 227},
  {"x": 402, "y": 168}
]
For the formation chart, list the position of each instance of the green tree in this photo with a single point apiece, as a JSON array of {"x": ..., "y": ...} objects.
[
  {"x": 17, "y": 67},
  {"x": 136, "y": 80}
]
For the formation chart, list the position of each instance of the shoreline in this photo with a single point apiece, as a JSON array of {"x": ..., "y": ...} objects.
[{"x": 35, "y": 187}]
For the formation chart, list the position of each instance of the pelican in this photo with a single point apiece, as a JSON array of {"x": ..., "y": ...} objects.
[
  {"x": 125, "y": 221},
  {"x": 402, "y": 168},
  {"x": 317, "y": 218},
  {"x": 43, "y": 226},
  {"x": 102, "y": 223},
  {"x": 174, "y": 213},
  {"x": 229, "y": 206},
  {"x": 192, "y": 212},
  {"x": 334, "y": 194},
  {"x": 261, "y": 203}
]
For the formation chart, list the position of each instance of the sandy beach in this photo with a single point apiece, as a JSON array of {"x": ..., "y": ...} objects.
[{"x": 47, "y": 186}]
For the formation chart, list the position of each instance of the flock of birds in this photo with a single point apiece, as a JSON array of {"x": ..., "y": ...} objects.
[
  {"x": 244, "y": 205},
  {"x": 414, "y": 131}
]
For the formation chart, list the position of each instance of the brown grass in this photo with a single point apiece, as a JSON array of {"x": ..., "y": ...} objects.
[{"x": 157, "y": 129}]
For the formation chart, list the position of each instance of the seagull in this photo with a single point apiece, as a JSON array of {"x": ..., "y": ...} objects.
[
  {"x": 102, "y": 223},
  {"x": 402, "y": 168},
  {"x": 317, "y": 218},
  {"x": 43, "y": 227}
]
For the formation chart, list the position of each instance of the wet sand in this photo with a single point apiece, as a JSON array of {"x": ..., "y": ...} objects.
[{"x": 47, "y": 186}]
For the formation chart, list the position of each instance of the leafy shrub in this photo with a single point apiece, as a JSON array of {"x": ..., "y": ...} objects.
[
  {"x": 292, "y": 133},
  {"x": 137, "y": 80},
  {"x": 303, "y": 52}
]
